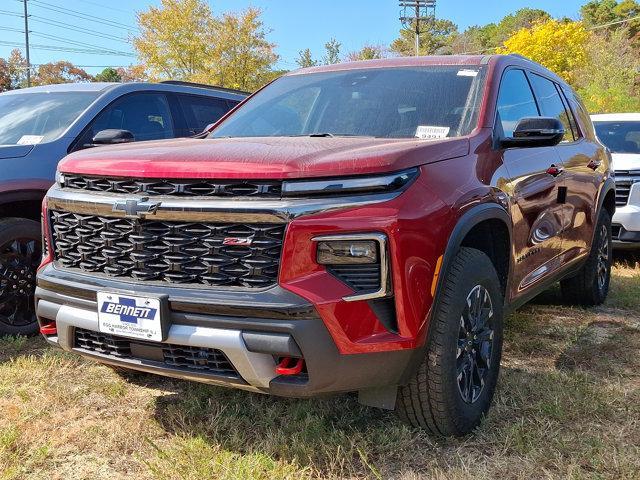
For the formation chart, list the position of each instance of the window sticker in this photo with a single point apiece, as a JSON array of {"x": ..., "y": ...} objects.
[
  {"x": 427, "y": 132},
  {"x": 467, "y": 73},
  {"x": 30, "y": 139}
]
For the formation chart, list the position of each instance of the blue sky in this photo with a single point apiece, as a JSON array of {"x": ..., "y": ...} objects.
[{"x": 294, "y": 24}]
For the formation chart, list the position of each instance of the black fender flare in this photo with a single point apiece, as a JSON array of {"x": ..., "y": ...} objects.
[{"x": 609, "y": 184}]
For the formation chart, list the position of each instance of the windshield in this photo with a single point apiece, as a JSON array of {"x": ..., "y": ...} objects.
[
  {"x": 425, "y": 102},
  {"x": 30, "y": 118},
  {"x": 619, "y": 137}
]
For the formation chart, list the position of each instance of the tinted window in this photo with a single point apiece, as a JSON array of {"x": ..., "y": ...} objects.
[
  {"x": 619, "y": 137},
  {"x": 30, "y": 118},
  {"x": 424, "y": 102},
  {"x": 201, "y": 111},
  {"x": 515, "y": 101},
  {"x": 146, "y": 115},
  {"x": 550, "y": 103}
]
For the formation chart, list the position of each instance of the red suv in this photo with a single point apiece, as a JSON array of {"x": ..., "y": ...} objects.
[{"x": 357, "y": 227}]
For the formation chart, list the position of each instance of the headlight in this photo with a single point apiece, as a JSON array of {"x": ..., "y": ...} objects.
[{"x": 350, "y": 185}]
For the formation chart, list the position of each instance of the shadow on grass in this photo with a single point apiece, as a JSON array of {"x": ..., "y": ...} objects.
[{"x": 13, "y": 347}]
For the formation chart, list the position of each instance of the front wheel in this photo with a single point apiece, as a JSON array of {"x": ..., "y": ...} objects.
[
  {"x": 454, "y": 385},
  {"x": 591, "y": 285},
  {"x": 20, "y": 254}
]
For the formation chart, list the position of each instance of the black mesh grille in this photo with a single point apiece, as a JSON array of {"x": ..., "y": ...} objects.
[
  {"x": 207, "y": 188},
  {"x": 200, "y": 359},
  {"x": 361, "y": 278},
  {"x": 183, "y": 253}
]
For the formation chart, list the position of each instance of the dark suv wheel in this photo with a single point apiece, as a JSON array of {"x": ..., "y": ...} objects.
[
  {"x": 591, "y": 285},
  {"x": 454, "y": 385},
  {"x": 20, "y": 254}
]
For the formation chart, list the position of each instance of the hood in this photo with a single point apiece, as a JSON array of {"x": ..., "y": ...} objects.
[
  {"x": 625, "y": 161},
  {"x": 14, "y": 151},
  {"x": 260, "y": 158}
]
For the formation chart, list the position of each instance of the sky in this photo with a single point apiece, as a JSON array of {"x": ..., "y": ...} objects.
[{"x": 293, "y": 24}]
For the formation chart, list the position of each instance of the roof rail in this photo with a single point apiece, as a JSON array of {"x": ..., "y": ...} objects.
[
  {"x": 204, "y": 85},
  {"x": 521, "y": 56}
]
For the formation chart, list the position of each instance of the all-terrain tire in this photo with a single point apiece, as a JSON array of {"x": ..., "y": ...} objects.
[
  {"x": 18, "y": 263},
  {"x": 591, "y": 285},
  {"x": 433, "y": 399}
]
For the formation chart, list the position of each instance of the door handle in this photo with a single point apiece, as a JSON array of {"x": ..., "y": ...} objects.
[{"x": 554, "y": 170}]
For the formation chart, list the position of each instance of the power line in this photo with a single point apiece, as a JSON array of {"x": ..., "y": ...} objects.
[
  {"x": 77, "y": 43},
  {"x": 68, "y": 26},
  {"x": 61, "y": 49},
  {"x": 104, "y": 6}
]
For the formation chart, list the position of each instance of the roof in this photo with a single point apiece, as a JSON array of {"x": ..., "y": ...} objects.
[
  {"x": 613, "y": 117},
  {"x": 397, "y": 62},
  {"x": 65, "y": 87}
]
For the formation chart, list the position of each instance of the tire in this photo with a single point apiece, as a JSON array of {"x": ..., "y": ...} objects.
[
  {"x": 591, "y": 285},
  {"x": 20, "y": 255},
  {"x": 437, "y": 398}
]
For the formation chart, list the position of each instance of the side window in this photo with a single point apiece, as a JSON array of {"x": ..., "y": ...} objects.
[
  {"x": 571, "y": 114},
  {"x": 515, "y": 101},
  {"x": 551, "y": 104},
  {"x": 146, "y": 115},
  {"x": 200, "y": 111}
]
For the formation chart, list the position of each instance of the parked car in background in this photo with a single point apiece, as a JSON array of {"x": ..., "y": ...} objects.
[
  {"x": 354, "y": 227},
  {"x": 40, "y": 125},
  {"x": 620, "y": 132}
]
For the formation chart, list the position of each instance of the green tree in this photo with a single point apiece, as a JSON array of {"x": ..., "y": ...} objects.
[
  {"x": 602, "y": 12},
  {"x": 436, "y": 36},
  {"x": 368, "y": 52},
  {"x": 109, "y": 74},
  {"x": 332, "y": 52},
  {"x": 17, "y": 66},
  {"x": 305, "y": 59},
  {"x": 608, "y": 82}
]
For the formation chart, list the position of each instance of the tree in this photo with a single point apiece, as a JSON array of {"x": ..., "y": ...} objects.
[
  {"x": 242, "y": 57},
  {"x": 602, "y": 12},
  {"x": 5, "y": 77},
  {"x": 437, "y": 36},
  {"x": 182, "y": 40},
  {"x": 132, "y": 73},
  {"x": 608, "y": 80},
  {"x": 109, "y": 74},
  {"x": 332, "y": 55},
  {"x": 305, "y": 59},
  {"x": 60, "y": 72},
  {"x": 559, "y": 46},
  {"x": 17, "y": 66},
  {"x": 176, "y": 39},
  {"x": 368, "y": 52}
]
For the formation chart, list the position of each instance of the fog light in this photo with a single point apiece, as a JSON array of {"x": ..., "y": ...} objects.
[{"x": 346, "y": 252}]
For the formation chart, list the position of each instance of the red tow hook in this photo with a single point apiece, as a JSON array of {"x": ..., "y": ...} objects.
[
  {"x": 285, "y": 366},
  {"x": 49, "y": 329}
]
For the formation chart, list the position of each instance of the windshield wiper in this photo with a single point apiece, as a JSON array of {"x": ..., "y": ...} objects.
[{"x": 321, "y": 135}]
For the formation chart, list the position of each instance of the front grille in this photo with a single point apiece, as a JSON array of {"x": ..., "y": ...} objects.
[
  {"x": 177, "y": 357},
  {"x": 186, "y": 188},
  {"x": 169, "y": 252},
  {"x": 361, "y": 278},
  {"x": 624, "y": 182}
]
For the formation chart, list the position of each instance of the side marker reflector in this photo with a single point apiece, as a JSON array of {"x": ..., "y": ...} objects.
[{"x": 436, "y": 276}]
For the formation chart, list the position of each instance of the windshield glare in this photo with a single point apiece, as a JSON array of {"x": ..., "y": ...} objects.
[
  {"x": 30, "y": 118},
  {"x": 619, "y": 137},
  {"x": 425, "y": 102}
]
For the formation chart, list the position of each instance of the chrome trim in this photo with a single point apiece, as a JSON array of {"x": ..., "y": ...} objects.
[
  {"x": 257, "y": 369},
  {"x": 207, "y": 209},
  {"x": 385, "y": 279}
]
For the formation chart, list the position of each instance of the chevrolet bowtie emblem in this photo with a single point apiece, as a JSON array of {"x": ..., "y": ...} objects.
[{"x": 136, "y": 208}]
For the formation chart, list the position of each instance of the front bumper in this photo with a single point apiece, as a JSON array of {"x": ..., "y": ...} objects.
[{"x": 251, "y": 332}]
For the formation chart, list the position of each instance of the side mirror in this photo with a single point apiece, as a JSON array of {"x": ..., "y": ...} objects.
[
  {"x": 535, "y": 132},
  {"x": 112, "y": 136}
]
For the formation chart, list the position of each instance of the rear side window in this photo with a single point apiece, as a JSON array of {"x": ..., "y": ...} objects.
[
  {"x": 551, "y": 104},
  {"x": 200, "y": 111},
  {"x": 515, "y": 101}
]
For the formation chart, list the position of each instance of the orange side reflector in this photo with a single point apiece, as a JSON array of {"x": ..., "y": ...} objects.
[{"x": 436, "y": 275}]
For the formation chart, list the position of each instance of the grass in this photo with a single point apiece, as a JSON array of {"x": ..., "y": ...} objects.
[{"x": 567, "y": 406}]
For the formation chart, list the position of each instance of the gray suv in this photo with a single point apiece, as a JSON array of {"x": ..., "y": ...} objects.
[{"x": 40, "y": 125}]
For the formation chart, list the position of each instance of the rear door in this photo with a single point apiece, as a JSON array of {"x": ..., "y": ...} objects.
[
  {"x": 536, "y": 214},
  {"x": 200, "y": 111}
]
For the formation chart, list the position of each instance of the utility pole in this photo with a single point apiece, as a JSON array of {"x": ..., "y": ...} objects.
[
  {"x": 26, "y": 41},
  {"x": 413, "y": 13}
]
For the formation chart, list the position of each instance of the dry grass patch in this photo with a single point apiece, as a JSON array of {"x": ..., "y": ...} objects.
[{"x": 568, "y": 406}]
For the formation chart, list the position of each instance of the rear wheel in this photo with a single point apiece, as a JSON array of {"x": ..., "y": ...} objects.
[
  {"x": 591, "y": 285},
  {"x": 20, "y": 255},
  {"x": 453, "y": 387}
]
